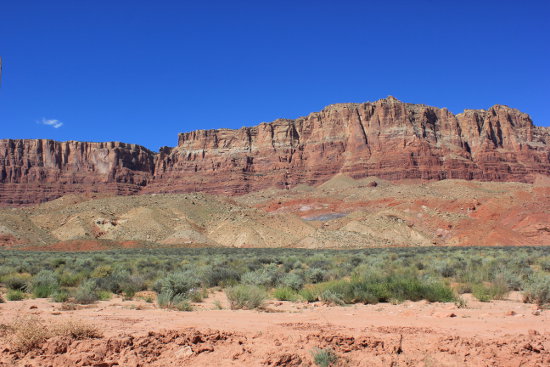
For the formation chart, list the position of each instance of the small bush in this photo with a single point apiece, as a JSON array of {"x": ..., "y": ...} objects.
[
  {"x": 245, "y": 297},
  {"x": 17, "y": 282},
  {"x": 537, "y": 290},
  {"x": 15, "y": 295},
  {"x": 43, "y": 284},
  {"x": 308, "y": 294},
  {"x": 60, "y": 296},
  {"x": 486, "y": 293},
  {"x": 167, "y": 299},
  {"x": 86, "y": 293},
  {"x": 2, "y": 299},
  {"x": 285, "y": 294},
  {"x": 324, "y": 357},
  {"x": 293, "y": 281},
  {"x": 77, "y": 330},
  {"x": 28, "y": 333}
]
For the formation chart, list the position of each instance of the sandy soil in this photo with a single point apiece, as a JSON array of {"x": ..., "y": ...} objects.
[{"x": 137, "y": 333}]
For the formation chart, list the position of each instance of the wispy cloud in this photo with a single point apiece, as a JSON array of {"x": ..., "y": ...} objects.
[{"x": 56, "y": 124}]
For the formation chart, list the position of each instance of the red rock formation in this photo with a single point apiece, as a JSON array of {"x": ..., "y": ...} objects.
[
  {"x": 386, "y": 138},
  {"x": 34, "y": 171}
]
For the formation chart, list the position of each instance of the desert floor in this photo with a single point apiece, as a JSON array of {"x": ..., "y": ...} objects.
[{"x": 136, "y": 333}]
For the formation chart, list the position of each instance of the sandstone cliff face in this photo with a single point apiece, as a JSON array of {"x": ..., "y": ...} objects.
[
  {"x": 387, "y": 138},
  {"x": 39, "y": 170}
]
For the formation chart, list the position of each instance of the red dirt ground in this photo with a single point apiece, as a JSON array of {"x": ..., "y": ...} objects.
[{"x": 136, "y": 333}]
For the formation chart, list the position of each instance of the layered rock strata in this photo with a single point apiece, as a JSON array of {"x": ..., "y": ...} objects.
[{"x": 387, "y": 138}]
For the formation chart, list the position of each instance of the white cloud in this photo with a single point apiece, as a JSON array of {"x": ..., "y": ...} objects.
[{"x": 56, "y": 124}]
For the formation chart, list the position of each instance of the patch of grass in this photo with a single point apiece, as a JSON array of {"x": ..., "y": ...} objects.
[
  {"x": 245, "y": 297},
  {"x": 285, "y": 294},
  {"x": 28, "y": 333},
  {"x": 15, "y": 295},
  {"x": 324, "y": 357},
  {"x": 486, "y": 293},
  {"x": 60, "y": 296},
  {"x": 77, "y": 330},
  {"x": 218, "y": 305}
]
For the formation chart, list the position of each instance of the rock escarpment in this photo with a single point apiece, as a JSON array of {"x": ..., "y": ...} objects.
[
  {"x": 34, "y": 171},
  {"x": 387, "y": 138}
]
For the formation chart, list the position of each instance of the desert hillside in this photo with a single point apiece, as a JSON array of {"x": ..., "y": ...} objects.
[{"x": 340, "y": 213}]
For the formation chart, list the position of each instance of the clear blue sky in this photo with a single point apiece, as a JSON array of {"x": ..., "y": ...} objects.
[{"x": 142, "y": 71}]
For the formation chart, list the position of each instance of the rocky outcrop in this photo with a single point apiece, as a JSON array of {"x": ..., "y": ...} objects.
[
  {"x": 34, "y": 171},
  {"x": 387, "y": 138}
]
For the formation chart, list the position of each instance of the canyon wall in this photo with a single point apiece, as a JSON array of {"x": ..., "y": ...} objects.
[{"x": 387, "y": 138}]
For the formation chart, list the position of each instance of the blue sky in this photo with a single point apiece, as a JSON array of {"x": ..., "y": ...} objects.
[{"x": 142, "y": 71}]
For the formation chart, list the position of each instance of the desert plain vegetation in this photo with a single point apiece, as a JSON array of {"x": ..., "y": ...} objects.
[{"x": 381, "y": 306}]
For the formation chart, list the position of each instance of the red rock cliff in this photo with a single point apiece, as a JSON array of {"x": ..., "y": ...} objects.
[
  {"x": 34, "y": 171},
  {"x": 386, "y": 138}
]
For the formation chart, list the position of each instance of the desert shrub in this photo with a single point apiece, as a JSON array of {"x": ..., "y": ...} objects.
[
  {"x": 28, "y": 333},
  {"x": 537, "y": 290},
  {"x": 86, "y": 293},
  {"x": 76, "y": 330},
  {"x": 486, "y": 293},
  {"x": 5, "y": 270},
  {"x": 2, "y": 299},
  {"x": 268, "y": 277},
  {"x": 179, "y": 283},
  {"x": 222, "y": 276},
  {"x": 332, "y": 297},
  {"x": 285, "y": 294},
  {"x": 314, "y": 275},
  {"x": 17, "y": 281},
  {"x": 167, "y": 299},
  {"x": 245, "y": 297},
  {"x": 383, "y": 288},
  {"x": 60, "y": 295},
  {"x": 293, "y": 281},
  {"x": 43, "y": 284},
  {"x": 15, "y": 295},
  {"x": 544, "y": 263},
  {"x": 324, "y": 357},
  {"x": 445, "y": 268},
  {"x": 69, "y": 279},
  {"x": 308, "y": 294}
]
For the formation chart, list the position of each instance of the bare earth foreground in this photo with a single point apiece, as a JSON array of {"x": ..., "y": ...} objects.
[{"x": 136, "y": 333}]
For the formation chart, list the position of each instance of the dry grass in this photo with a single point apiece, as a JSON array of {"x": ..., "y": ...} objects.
[{"x": 28, "y": 333}]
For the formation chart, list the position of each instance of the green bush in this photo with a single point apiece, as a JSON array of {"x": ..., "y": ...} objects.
[
  {"x": 324, "y": 357},
  {"x": 245, "y": 297},
  {"x": 167, "y": 299},
  {"x": 43, "y": 284},
  {"x": 486, "y": 293},
  {"x": 285, "y": 294},
  {"x": 60, "y": 296},
  {"x": 17, "y": 282},
  {"x": 86, "y": 293},
  {"x": 15, "y": 295},
  {"x": 293, "y": 280},
  {"x": 537, "y": 290}
]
